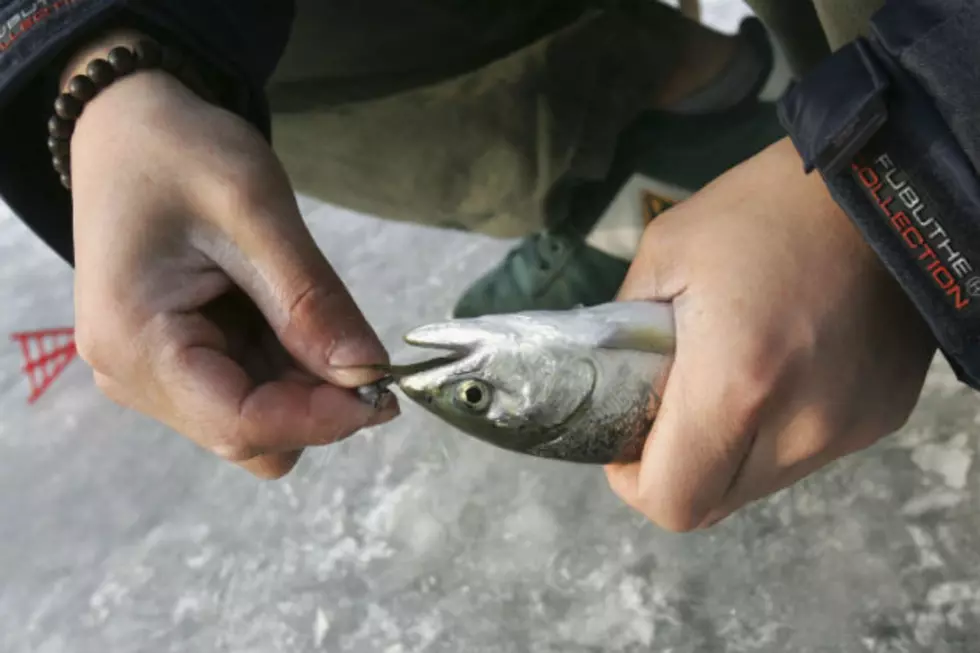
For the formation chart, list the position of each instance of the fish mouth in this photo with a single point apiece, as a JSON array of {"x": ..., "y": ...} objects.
[
  {"x": 459, "y": 340},
  {"x": 423, "y": 337},
  {"x": 398, "y": 373}
]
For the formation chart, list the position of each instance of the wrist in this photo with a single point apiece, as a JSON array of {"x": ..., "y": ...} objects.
[
  {"x": 98, "y": 48},
  {"x": 99, "y": 68}
]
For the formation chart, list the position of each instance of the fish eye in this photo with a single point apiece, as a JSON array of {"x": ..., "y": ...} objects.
[{"x": 474, "y": 395}]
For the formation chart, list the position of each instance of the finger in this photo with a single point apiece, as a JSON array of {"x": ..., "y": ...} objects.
[
  {"x": 785, "y": 453},
  {"x": 272, "y": 466},
  {"x": 275, "y": 260},
  {"x": 209, "y": 397},
  {"x": 686, "y": 465},
  {"x": 269, "y": 466},
  {"x": 624, "y": 481}
]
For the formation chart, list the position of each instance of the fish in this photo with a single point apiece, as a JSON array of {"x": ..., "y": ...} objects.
[{"x": 581, "y": 385}]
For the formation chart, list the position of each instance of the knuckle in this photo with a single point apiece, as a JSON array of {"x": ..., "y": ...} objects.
[
  {"x": 174, "y": 356},
  {"x": 765, "y": 367},
  {"x": 91, "y": 348},
  {"x": 624, "y": 494},
  {"x": 304, "y": 306},
  {"x": 269, "y": 474},
  {"x": 809, "y": 435},
  {"x": 234, "y": 452},
  {"x": 681, "y": 519},
  {"x": 109, "y": 389},
  {"x": 236, "y": 191},
  {"x": 272, "y": 467},
  {"x": 801, "y": 447},
  {"x": 835, "y": 435},
  {"x": 103, "y": 339},
  {"x": 102, "y": 382},
  {"x": 676, "y": 514},
  {"x": 233, "y": 444},
  {"x": 105, "y": 384},
  {"x": 241, "y": 185},
  {"x": 746, "y": 397}
]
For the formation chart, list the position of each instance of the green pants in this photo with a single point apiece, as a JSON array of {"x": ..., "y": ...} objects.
[{"x": 482, "y": 115}]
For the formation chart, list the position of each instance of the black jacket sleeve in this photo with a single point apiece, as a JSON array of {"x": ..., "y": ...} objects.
[
  {"x": 241, "y": 39},
  {"x": 892, "y": 123}
]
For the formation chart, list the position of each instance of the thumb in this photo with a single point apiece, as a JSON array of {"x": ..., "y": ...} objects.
[{"x": 275, "y": 260}]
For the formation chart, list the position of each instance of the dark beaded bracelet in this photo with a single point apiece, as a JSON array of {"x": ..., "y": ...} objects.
[{"x": 99, "y": 74}]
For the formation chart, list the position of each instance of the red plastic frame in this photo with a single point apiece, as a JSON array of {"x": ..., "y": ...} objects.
[{"x": 47, "y": 352}]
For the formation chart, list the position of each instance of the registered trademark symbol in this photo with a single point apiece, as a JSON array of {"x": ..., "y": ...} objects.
[{"x": 973, "y": 286}]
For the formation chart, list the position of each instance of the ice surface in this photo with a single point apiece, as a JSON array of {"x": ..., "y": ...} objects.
[{"x": 118, "y": 536}]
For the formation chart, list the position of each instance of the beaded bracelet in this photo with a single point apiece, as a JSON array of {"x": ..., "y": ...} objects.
[{"x": 99, "y": 74}]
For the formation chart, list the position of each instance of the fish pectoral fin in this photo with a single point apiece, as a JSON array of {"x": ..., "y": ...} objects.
[
  {"x": 640, "y": 338},
  {"x": 569, "y": 395}
]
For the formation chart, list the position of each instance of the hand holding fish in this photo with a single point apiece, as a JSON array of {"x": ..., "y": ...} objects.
[
  {"x": 794, "y": 346},
  {"x": 216, "y": 313}
]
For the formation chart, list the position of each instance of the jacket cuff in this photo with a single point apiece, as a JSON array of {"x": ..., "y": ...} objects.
[
  {"x": 41, "y": 35},
  {"x": 896, "y": 168}
]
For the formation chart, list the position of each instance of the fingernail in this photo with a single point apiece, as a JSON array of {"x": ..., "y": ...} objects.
[{"x": 353, "y": 376}]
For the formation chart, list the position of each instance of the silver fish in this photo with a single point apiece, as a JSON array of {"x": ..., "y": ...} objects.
[{"x": 580, "y": 386}]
